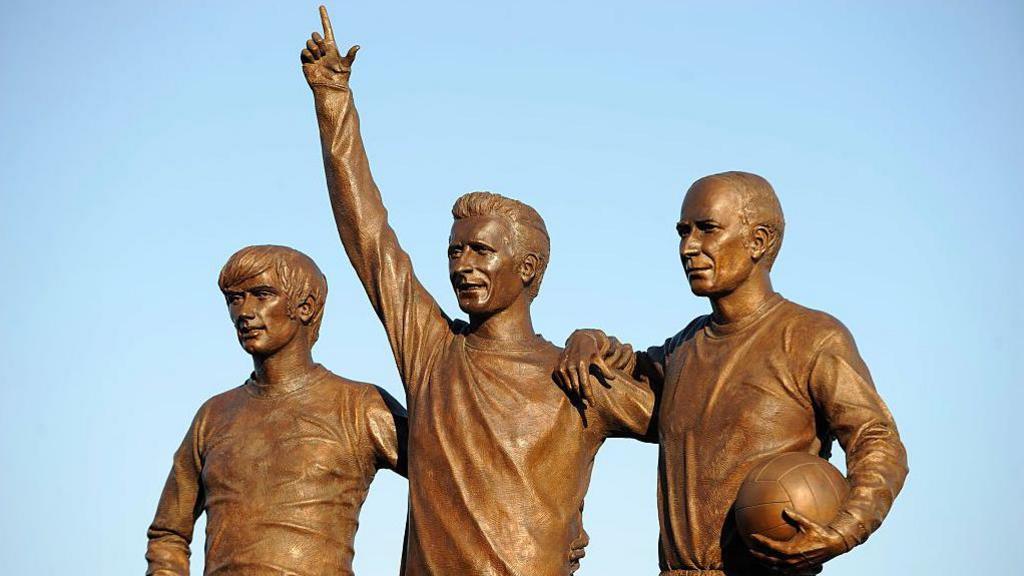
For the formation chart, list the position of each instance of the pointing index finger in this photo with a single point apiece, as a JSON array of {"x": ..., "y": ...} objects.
[{"x": 325, "y": 20}]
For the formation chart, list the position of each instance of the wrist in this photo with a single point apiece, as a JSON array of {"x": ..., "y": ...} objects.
[
  {"x": 329, "y": 85},
  {"x": 850, "y": 529}
]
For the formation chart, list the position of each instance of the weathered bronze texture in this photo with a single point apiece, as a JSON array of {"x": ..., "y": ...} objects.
[
  {"x": 759, "y": 376},
  {"x": 281, "y": 464},
  {"x": 499, "y": 456},
  {"x": 789, "y": 482}
]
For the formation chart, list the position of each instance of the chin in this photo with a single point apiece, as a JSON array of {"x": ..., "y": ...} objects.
[
  {"x": 702, "y": 289},
  {"x": 254, "y": 347},
  {"x": 473, "y": 307}
]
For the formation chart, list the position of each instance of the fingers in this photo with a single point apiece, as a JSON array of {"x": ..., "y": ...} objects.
[
  {"x": 325, "y": 20},
  {"x": 579, "y": 378},
  {"x": 607, "y": 372},
  {"x": 776, "y": 548},
  {"x": 565, "y": 375},
  {"x": 805, "y": 524},
  {"x": 315, "y": 48},
  {"x": 765, "y": 559},
  {"x": 586, "y": 389},
  {"x": 306, "y": 56}
]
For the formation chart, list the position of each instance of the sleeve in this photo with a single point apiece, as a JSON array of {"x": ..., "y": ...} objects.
[
  {"x": 412, "y": 319},
  {"x": 387, "y": 427},
  {"x": 181, "y": 502},
  {"x": 626, "y": 407},
  {"x": 876, "y": 461}
]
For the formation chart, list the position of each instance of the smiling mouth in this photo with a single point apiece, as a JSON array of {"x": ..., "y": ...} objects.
[{"x": 469, "y": 288}]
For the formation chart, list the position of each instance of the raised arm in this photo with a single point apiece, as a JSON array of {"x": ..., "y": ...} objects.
[
  {"x": 180, "y": 504},
  {"x": 409, "y": 314}
]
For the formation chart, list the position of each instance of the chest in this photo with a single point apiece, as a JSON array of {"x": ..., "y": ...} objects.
[
  {"x": 265, "y": 449},
  {"x": 488, "y": 402},
  {"x": 744, "y": 386}
]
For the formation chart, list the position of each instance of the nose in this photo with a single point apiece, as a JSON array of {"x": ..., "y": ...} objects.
[
  {"x": 462, "y": 264},
  {"x": 689, "y": 245},
  {"x": 247, "y": 309}
]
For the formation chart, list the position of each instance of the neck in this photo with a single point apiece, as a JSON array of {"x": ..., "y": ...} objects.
[
  {"x": 746, "y": 299},
  {"x": 512, "y": 323},
  {"x": 287, "y": 369}
]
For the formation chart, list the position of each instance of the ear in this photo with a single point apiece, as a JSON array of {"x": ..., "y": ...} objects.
[
  {"x": 762, "y": 239},
  {"x": 528, "y": 268},
  {"x": 304, "y": 311}
]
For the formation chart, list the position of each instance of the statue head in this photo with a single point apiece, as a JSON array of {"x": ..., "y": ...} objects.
[
  {"x": 275, "y": 295},
  {"x": 730, "y": 228},
  {"x": 497, "y": 252}
]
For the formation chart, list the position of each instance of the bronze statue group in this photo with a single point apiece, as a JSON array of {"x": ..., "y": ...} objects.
[{"x": 503, "y": 426}]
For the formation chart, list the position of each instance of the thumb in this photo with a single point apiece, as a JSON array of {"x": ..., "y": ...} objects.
[
  {"x": 352, "y": 53},
  {"x": 805, "y": 524}
]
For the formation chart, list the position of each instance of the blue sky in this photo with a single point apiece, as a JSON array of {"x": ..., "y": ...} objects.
[{"x": 143, "y": 144}]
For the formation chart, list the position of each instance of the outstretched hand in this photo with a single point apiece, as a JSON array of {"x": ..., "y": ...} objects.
[
  {"x": 586, "y": 348},
  {"x": 804, "y": 553},
  {"x": 321, "y": 62}
]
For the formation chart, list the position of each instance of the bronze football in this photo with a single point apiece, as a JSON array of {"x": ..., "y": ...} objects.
[{"x": 795, "y": 480}]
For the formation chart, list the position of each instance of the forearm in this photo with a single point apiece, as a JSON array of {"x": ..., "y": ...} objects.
[
  {"x": 170, "y": 534},
  {"x": 410, "y": 315},
  {"x": 167, "y": 553},
  {"x": 355, "y": 200},
  {"x": 876, "y": 464},
  {"x": 876, "y": 461}
]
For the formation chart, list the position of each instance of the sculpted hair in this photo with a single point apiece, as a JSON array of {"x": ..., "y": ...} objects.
[
  {"x": 761, "y": 206},
  {"x": 529, "y": 234},
  {"x": 298, "y": 275}
]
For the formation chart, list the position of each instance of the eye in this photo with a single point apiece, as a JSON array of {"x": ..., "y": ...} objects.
[
  {"x": 683, "y": 229},
  {"x": 264, "y": 294},
  {"x": 454, "y": 252},
  {"x": 708, "y": 227},
  {"x": 482, "y": 249},
  {"x": 233, "y": 298}
]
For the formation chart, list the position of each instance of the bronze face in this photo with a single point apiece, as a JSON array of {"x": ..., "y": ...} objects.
[
  {"x": 713, "y": 239},
  {"x": 261, "y": 315},
  {"x": 482, "y": 266}
]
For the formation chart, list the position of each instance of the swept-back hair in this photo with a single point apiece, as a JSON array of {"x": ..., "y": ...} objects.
[
  {"x": 529, "y": 234},
  {"x": 298, "y": 275}
]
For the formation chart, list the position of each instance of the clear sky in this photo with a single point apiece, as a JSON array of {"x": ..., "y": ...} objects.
[{"x": 142, "y": 143}]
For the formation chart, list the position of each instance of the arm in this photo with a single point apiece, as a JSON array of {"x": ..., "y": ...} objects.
[
  {"x": 623, "y": 385},
  {"x": 180, "y": 504},
  {"x": 388, "y": 429},
  {"x": 876, "y": 461},
  {"x": 409, "y": 314}
]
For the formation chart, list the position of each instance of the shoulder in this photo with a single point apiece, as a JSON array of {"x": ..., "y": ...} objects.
[
  {"x": 364, "y": 395},
  {"x": 335, "y": 385},
  {"x": 811, "y": 327},
  {"x": 687, "y": 333},
  {"x": 220, "y": 402}
]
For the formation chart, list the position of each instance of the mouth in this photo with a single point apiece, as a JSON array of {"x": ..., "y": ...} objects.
[
  {"x": 250, "y": 332},
  {"x": 465, "y": 288},
  {"x": 691, "y": 272}
]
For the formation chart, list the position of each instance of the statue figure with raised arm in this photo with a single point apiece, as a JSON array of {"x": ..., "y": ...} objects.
[
  {"x": 758, "y": 377},
  {"x": 499, "y": 456}
]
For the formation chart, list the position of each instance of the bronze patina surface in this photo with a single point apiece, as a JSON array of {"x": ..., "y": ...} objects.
[
  {"x": 281, "y": 464},
  {"x": 759, "y": 376},
  {"x": 499, "y": 456}
]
